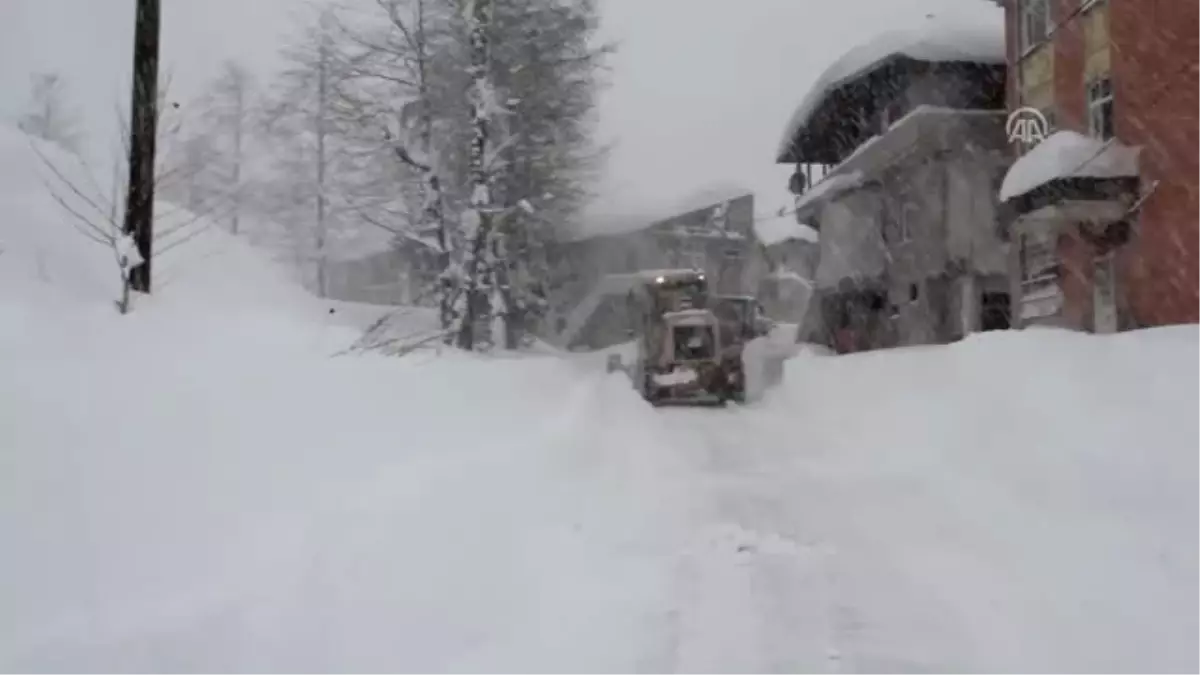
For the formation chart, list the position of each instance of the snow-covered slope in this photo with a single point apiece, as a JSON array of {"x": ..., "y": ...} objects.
[
  {"x": 199, "y": 485},
  {"x": 47, "y": 250}
]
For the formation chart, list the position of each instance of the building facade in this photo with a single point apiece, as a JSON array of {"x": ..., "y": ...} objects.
[
  {"x": 910, "y": 146},
  {"x": 1105, "y": 253}
]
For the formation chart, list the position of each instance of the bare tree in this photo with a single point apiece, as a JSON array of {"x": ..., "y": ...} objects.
[
  {"x": 316, "y": 160},
  {"x": 394, "y": 61},
  {"x": 98, "y": 216},
  {"x": 228, "y": 108}
]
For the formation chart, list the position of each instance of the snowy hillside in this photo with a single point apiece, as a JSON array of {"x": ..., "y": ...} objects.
[{"x": 200, "y": 486}]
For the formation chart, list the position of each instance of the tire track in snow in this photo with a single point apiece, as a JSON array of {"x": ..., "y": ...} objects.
[
  {"x": 875, "y": 613},
  {"x": 752, "y": 593},
  {"x": 754, "y": 586}
]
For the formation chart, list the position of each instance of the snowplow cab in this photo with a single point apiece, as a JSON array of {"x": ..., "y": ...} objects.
[{"x": 742, "y": 318}]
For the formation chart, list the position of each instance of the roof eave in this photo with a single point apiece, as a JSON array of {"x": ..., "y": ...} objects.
[{"x": 827, "y": 106}]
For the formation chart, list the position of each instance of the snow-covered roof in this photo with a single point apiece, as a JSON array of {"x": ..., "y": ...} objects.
[
  {"x": 778, "y": 230},
  {"x": 710, "y": 196},
  {"x": 828, "y": 187},
  {"x": 977, "y": 37},
  {"x": 1068, "y": 154},
  {"x": 618, "y": 224}
]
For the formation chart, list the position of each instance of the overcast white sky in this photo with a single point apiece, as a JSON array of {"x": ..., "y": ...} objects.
[{"x": 701, "y": 89}]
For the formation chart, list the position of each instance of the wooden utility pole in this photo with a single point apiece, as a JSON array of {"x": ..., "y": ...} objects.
[{"x": 143, "y": 115}]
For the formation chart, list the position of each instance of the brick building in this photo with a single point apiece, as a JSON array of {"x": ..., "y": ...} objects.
[{"x": 1101, "y": 251}]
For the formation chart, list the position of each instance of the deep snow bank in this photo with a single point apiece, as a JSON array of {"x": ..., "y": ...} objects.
[
  {"x": 1018, "y": 501},
  {"x": 198, "y": 486}
]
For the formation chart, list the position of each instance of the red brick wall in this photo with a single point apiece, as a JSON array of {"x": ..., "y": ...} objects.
[
  {"x": 1012, "y": 85},
  {"x": 1076, "y": 257},
  {"x": 1155, "y": 100},
  {"x": 1070, "y": 95}
]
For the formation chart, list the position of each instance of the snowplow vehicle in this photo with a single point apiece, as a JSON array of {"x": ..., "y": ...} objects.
[
  {"x": 680, "y": 356},
  {"x": 740, "y": 319}
]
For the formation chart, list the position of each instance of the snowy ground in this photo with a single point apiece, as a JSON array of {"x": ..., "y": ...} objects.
[{"x": 201, "y": 486}]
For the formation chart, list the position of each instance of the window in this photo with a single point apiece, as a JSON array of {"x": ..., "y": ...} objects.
[
  {"x": 914, "y": 292},
  {"x": 693, "y": 342},
  {"x": 1035, "y": 22},
  {"x": 1038, "y": 259},
  {"x": 1100, "y": 108}
]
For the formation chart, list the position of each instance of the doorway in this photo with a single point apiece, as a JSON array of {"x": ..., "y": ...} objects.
[
  {"x": 1104, "y": 296},
  {"x": 995, "y": 311}
]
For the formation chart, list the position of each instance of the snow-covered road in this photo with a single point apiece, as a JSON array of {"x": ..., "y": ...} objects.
[{"x": 777, "y": 579}]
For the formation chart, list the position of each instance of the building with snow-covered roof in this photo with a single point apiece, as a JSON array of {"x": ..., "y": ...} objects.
[
  {"x": 907, "y": 134},
  {"x": 716, "y": 236},
  {"x": 1102, "y": 213}
]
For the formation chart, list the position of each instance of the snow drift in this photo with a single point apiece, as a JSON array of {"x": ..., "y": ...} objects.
[
  {"x": 1019, "y": 501},
  {"x": 198, "y": 485}
]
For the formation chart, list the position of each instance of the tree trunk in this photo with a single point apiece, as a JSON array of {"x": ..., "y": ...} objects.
[
  {"x": 139, "y": 203},
  {"x": 239, "y": 115},
  {"x": 322, "y": 95},
  {"x": 478, "y": 272},
  {"x": 434, "y": 199}
]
